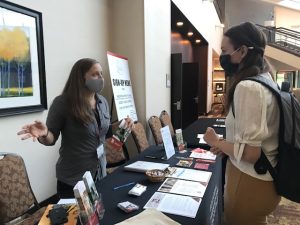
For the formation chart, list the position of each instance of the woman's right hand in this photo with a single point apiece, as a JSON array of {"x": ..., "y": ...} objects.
[
  {"x": 34, "y": 130},
  {"x": 215, "y": 151}
]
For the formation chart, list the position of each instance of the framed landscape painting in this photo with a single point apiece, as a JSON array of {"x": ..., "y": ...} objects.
[{"x": 22, "y": 64}]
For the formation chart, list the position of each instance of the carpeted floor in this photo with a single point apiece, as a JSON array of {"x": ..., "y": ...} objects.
[{"x": 287, "y": 213}]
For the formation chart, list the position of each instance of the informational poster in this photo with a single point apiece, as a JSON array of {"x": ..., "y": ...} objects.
[{"x": 121, "y": 86}]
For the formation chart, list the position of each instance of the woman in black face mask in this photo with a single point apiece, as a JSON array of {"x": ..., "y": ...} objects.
[
  {"x": 252, "y": 124},
  {"x": 81, "y": 115}
]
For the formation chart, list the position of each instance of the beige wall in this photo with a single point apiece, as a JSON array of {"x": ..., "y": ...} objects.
[
  {"x": 157, "y": 29},
  {"x": 127, "y": 39},
  {"x": 288, "y": 18},
  {"x": 72, "y": 29},
  {"x": 239, "y": 11},
  {"x": 203, "y": 16},
  {"x": 142, "y": 33}
]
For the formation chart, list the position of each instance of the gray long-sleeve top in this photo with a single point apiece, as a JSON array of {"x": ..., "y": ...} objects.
[{"x": 79, "y": 142}]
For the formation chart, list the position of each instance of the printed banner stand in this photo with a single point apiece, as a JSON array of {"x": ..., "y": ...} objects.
[{"x": 121, "y": 86}]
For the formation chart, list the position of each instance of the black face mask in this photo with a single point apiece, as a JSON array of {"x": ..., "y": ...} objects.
[{"x": 229, "y": 67}]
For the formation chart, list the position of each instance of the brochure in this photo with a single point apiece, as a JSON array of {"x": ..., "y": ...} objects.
[
  {"x": 201, "y": 166},
  {"x": 90, "y": 186},
  {"x": 184, "y": 163},
  {"x": 203, "y": 155},
  {"x": 95, "y": 198},
  {"x": 191, "y": 174},
  {"x": 86, "y": 213},
  {"x": 174, "y": 204},
  {"x": 183, "y": 187},
  {"x": 128, "y": 206},
  {"x": 137, "y": 190}
]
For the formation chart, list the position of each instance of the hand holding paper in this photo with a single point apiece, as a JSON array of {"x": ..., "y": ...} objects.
[{"x": 129, "y": 123}]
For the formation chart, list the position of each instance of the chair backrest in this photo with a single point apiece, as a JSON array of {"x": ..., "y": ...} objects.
[
  {"x": 140, "y": 137},
  {"x": 217, "y": 109},
  {"x": 114, "y": 157},
  {"x": 165, "y": 120},
  {"x": 155, "y": 126},
  {"x": 16, "y": 195}
]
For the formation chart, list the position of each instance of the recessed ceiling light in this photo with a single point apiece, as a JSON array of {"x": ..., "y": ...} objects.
[
  {"x": 179, "y": 23},
  {"x": 198, "y": 41},
  {"x": 185, "y": 42},
  {"x": 190, "y": 34},
  {"x": 175, "y": 35}
]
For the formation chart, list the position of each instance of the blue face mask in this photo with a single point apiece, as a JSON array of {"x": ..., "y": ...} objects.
[{"x": 229, "y": 67}]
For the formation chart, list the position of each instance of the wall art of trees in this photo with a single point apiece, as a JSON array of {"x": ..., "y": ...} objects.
[{"x": 15, "y": 63}]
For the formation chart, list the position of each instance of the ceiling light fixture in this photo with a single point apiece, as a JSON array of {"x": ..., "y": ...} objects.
[
  {"x": 185, "y": 42},
  {"x": 198, "y": 41},
  {"x": 190, "y": 34},
  {"x": 179, "y": 24}
]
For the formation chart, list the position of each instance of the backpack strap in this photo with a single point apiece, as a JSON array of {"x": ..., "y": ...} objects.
[
  {"x": 263, "y": 165},
  {"x": 270, "y": 84},
  {"x": 261, "y": 78}
]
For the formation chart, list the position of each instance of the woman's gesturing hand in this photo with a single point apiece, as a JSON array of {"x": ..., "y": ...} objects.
[{"x": 34, "y": 130}]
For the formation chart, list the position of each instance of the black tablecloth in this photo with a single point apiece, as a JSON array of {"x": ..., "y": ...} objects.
[
  {"x": 199, "y": 127},
  {"x": 209, "y": 212}
]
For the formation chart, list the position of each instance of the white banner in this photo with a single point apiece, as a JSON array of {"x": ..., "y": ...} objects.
[{"x": 121, "y": 85}]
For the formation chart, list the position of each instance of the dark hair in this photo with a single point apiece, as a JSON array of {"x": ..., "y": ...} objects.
[
  {"x": 253, "y": 63},
  {"x": 77, "y": 93}
]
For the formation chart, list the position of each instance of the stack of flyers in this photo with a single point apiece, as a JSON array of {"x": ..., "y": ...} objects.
[
  {"x": 184, "y": 163},
  {"x": 128, "y": 206},
  {"x": 201, "y": 166}
]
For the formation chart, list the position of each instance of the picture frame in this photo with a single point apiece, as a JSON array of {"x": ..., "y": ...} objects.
[
  {"x": 22, "y": 63},
  {"x": 219, "y": 87}
]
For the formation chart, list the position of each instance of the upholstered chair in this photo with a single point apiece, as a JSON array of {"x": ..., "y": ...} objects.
[
  {"x": 165, "y": 120},
  {"x": 114, "y": 158},
  {"x": 16, "y": 195},
  {"x": 155, "y": 126},
  {"x": 140, "y": 137}
]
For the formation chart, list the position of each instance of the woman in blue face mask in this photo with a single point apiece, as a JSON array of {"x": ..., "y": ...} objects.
[
  {"x": 81, "y": 115},
  {"x": 252, "y": 124}
]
